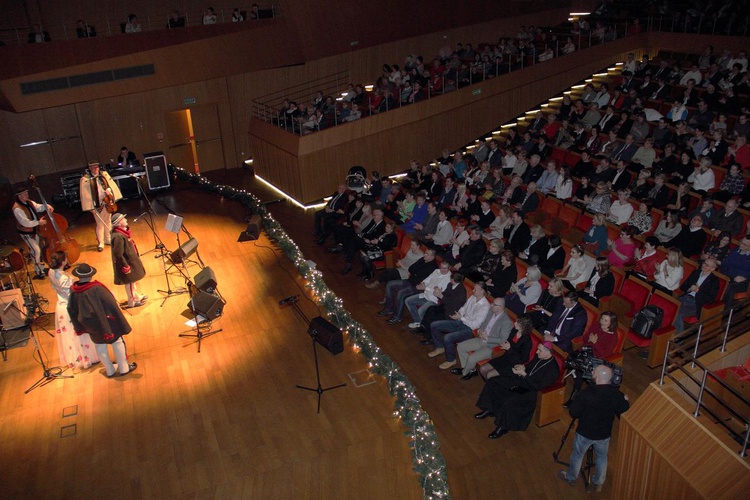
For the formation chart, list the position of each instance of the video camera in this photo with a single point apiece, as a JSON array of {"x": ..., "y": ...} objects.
[{"x": 584, "y": 362}]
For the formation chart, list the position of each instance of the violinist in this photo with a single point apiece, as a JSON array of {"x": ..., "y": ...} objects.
[
  {"x": 27, "y": 220},
  {"x": 98, "y": 196}
]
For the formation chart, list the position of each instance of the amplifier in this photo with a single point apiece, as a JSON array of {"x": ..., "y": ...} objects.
[{"x": 128, "y": 185}]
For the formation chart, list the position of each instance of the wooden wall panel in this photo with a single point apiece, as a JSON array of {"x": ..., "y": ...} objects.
[{"x": 663, "y": 452}]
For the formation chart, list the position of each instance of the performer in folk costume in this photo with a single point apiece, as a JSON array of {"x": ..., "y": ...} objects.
[
  {"x": 94, "y": 310},
  {"x": 75, "y": 351},
  {"x": 127, "y": 263},
  {"x": 97, "y": 188},
  {"x": 27, "y": 221}
]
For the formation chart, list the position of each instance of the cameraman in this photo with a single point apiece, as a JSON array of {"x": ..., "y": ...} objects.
[{"x": 595, "y": 409}]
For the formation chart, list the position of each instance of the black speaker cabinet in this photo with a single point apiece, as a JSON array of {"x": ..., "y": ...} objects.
[
  {"x": 157, "y": 171},
  {"x": 186, "y": 250},
  {"x": 206, "y": 280},
  {"x": 253, "y": 230},
  {"x": 326, "y": 335},
  {"x": 206, "y": 304}
]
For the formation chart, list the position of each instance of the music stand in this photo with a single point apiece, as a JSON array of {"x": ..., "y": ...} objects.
[
  {"x": 313, "y": 335},
  {"x": 173, "y": 225}
]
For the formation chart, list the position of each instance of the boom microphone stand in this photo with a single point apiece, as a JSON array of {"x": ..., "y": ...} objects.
[
  {"x": 158, "y": 243},
  {"x": 49, "y": 373},
  {"x": 587, "y": 467},
  {"x": 313, "y": 335}
]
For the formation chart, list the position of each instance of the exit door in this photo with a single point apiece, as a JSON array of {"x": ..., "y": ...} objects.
[{"x": 194, "y": 139}]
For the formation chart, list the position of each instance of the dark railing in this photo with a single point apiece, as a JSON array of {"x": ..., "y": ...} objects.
[
  {"x": 110, "y": 27},
  {"x": 681, "y": 365},
  {"x": 555, "y": 45}
]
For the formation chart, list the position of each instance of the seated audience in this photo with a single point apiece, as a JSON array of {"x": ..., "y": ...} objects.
[
  {"x": 701, "y": 287},
  {"x": 446, "y": 334},
  {"x": 622, "y": 250},
  {"x": 511, "y": 396},
  {"x": 668, "y": 275},
  {"x": 525, "y": 292},
  {"x": 504, "y": 276},
  {"x": 375, "y": 250},
  {"x": 547, "y": 304},
  {"x": 494, "y": 331},
  {"x": 601, "y": 283},
  {"x": 516, "y": 350},
  {"x": 597, "y": 234}
]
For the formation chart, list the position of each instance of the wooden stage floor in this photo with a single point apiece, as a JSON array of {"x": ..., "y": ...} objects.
[{"x": 228, "y": 422}]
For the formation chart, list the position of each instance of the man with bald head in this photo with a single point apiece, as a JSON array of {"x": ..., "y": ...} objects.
[{"x": 595, "y": 408}]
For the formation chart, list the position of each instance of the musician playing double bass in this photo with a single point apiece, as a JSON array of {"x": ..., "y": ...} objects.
[
  {"x": 27, "y": 212},
  {"x": 98, "y": 196}
]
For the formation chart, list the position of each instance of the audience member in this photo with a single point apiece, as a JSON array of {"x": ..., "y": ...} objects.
[
  {"x": 601, "y": 283},
  {"x": 700, "y": 288},
  {"x": 494, "y": 331}
]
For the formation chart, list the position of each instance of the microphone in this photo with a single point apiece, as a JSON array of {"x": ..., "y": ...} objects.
[
  {"x": 287, "y": 300},
  {"x": 136, "y": 219},
  {"x": 5, "y": 309}
]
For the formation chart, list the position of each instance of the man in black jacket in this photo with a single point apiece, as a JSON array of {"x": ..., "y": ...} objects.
[
  {"x": 517, "y": 235},
  {"x": 396, "y": 291},
  {"x": 595, "y": 408},
  {"x": 450, "y": 300},
  {"x": 701, "y": 287},
  {"x": 327, "y": 216},
  {"x": 471, "y": 254}
]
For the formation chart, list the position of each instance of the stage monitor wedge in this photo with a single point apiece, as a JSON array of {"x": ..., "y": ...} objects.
[
  {"x": 206, "y": 280},
  {"x": 253, "y": 230},
  {"x": 157, "y": 171},
  {"x": 208, "y": 305},
  {"x": 186, "y": 250}
]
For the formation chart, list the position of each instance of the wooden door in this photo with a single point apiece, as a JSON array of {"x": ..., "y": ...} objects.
[
  {"x": 179, "y": 141},
  {"x": 207, "y": 132}
]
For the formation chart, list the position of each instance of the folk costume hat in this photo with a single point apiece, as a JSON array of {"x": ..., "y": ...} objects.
[
  {"x": 116, "y": 218},
  {"x": 84, "y": 271}
]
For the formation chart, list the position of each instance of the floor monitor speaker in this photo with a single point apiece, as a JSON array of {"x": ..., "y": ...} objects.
[
  {"x": 186, "y": 250},
  {"x": 206, "y": 280},
  {"x": 327, "y": 335},
  {"x": 208, "y": 305},
  {"x": 253, "y": 230}
]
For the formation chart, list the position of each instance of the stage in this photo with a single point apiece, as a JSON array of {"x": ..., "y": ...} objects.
[{"x": 228, "y": 422}]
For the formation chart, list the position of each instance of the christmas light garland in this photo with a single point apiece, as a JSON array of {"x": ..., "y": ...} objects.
[{"x": 427, "y": 459}]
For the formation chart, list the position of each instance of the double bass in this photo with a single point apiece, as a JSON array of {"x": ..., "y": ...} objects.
[{"x": 52, "y": 233}]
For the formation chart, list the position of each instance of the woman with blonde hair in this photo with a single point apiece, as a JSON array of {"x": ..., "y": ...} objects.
[
  {"x": 547, "y": 303},
  {"x": 525, "y": 292},
  {"x": 597, "y": 234},
  {"x": 670, "y": 271}
]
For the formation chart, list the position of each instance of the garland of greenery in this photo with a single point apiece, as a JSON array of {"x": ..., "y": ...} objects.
[{"x": 428, "y": 461}]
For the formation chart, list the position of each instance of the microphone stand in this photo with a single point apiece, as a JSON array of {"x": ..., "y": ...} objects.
[
  {"x": 158, "y": 243},
  {"x": 49, "y": 373},
  {"x": 313, "y": 335}
]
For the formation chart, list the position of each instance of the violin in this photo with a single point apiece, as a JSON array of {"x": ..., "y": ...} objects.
[
  {"x": 53, "y": 236},
  {"x": 109, "y": 199}
]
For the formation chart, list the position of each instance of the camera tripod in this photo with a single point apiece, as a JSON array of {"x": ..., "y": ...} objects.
[{"x": 587, "y": 467}]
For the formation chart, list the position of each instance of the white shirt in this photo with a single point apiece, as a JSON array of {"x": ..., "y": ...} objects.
[
  {"x": 704, "y": 181},
  {"x": 474, "y": 311},
  {"x": 672, "y": 281},
  {"x": 435, "y": 279}
]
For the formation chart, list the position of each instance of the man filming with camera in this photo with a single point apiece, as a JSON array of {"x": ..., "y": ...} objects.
[{"x": 595, "y": 408}]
